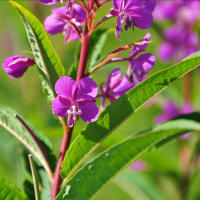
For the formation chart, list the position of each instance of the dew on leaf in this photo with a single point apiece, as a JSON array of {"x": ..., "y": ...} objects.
[
  {"x": 66, "y": 192},
  {"x": 90, "y": 167}
]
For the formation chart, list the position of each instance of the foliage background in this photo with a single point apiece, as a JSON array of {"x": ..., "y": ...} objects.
[{"x": 25, "y": 96}]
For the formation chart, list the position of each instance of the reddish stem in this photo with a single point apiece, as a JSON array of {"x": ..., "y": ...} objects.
[
  {"x": 90, "y": 4},
  {"x": 57, "y": 178},
  {"x": 68, "y": 131},
  {"x": 84, "y": 53}
]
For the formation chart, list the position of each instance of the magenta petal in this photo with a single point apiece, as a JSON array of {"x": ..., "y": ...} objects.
[
  {"x": 184, "y": 137},
  {"x": 166, "y": 51},
  {"x": 87, "y": 87},
  {"x": 65, "y": 87},
  {"x": 70, "y": 121},
  {"x": 122, "y": 87},
  {"x": 116, "y": 4},
  {"x": 49, "y": 2},
  {"x": 139, "y": 48},
  {"x": 59, "y": 107},
  {"x": 138, "y": 165},
  {"x": 89, "y": 111},
  {"x": 142, "y": 18},
  {"x": 53, "y": 25},
  {"x": 186, "y": 108},
  {"x": 70, "y": 33},
  {"x": 16, "y": 66},
  {"x": 142, "y": 65},
  {"x": 114, "y": 78}
]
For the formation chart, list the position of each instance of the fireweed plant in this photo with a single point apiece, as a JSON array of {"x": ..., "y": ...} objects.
[{"x": 74, "y": 95}]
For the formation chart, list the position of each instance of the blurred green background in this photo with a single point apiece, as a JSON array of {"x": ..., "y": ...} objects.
[{"x": 26, "y": 97}]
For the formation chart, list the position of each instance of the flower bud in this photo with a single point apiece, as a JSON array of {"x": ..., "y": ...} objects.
[{"x": 16, "y": 66}]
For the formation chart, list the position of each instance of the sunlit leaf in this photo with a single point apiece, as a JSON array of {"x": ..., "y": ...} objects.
[
  {"x": 9, "y": 191},
  {"x": 90, "y": 138},
  {"x": 15, "y": 127},
  {"x": 98, "y": 172}
]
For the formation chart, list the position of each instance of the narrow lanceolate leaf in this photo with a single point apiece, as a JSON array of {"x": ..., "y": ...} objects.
[
  {"x": 74, "y": 68},
  {"x": 120, "y": 110},
  {"x": 105, "y": 166},
  {"x": 15, "y": 127},
  {"x": 97, "y": 42},
  {"x": 48, "y": 61},
  {"x": 9, "y": 191}
]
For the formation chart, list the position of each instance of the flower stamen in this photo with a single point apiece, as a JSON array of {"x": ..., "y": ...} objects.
[{"x": 74, "y": 111}]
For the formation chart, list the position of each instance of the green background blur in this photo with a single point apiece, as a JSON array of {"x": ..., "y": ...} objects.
[{"x": 26, "y": 97}]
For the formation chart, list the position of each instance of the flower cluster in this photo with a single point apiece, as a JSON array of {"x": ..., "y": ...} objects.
[
  {"x": 180, "y": 40},
  {"x": 78, "y": 98},
  {"x": 137, "y": 70},
  {"x": 67, "y": 20}
]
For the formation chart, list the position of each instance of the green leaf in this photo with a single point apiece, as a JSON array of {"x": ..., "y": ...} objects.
[
  {"x": 193, "y": 191},
  {"x": 9, "y": 191},
  {"x": 74, "y": 68},
  {"x": 48, "y": 62},
  {"x": 29, "y": 189},
  {"x": 46, "y": 185},
  {"x": 14, "y": 126},
  {"x": 44, "y": 179},
  {"x": 97, "y": 42},
  {"x": 143, "y": 181},
  {"x": 90, "y": 138},
  {"x": 105, "y": 166}
]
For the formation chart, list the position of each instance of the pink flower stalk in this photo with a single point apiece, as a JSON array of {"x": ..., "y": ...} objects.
[
  {"x": 76, "y": 99},
  {"x": 16, "y": 66}
]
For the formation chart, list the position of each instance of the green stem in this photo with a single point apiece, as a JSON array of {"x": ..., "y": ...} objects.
[{"x": 35, "y": 177}]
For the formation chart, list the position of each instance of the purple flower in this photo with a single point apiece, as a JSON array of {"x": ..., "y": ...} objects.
[
  {"x": 179, "y": 43},
  {"x": 183, "y": 11},
  {"x": 139, "y": 165},
  {"x": 142, "y": 47},
  {"x": 142, "y": 64},
  {"x": 171, "y": 110},
  {"x": 16, "y": 66},
  {"x": 76, "y": 99},
  {"x": 49, "y": 2},
  {"x": 166, "y": 10},
  {"x": 115, "y": 87},
  {"x": 61, "y": 20},
  {"x": 133, "y": 13}
]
